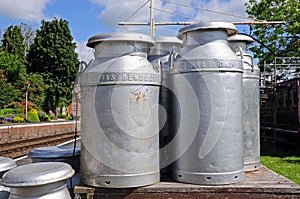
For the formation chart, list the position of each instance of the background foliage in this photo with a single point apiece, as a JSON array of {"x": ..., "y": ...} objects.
[
  {"x": 46, "y": 58},
  {"x": 283, "y": 40}
]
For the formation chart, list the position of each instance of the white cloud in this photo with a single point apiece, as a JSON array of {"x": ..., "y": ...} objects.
[
  {"x": 29, "y": 10},
  {"x": 85, "y": 53},
  {"x": 113, "y": 12},
  {"x": 232, "y": 7}
]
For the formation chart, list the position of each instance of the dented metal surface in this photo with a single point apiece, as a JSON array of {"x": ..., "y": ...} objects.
[
  {"x": 119, "y": 98},
  {"x": 206, "y": 107},
  {"x": 251, "y": 112}
]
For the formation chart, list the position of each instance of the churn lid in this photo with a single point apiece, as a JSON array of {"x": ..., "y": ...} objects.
[
  {"x": 240, "y": 38},
  {"x": 35, "y": 174},
  {"x": 229, "y": 27},
  {"x": 120, "y": 36},
  {"x": 54, "y": 152},
  {"x": 6, "y": 164}
]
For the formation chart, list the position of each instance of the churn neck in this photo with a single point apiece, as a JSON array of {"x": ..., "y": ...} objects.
[
  {"x": 200, "y": 37},
  {"x": 234, "y": 45},
  {"x": 121, "y": 43},
  {"x": 240, "y": 41},
  {"x": 120, "y": 48},
  {"x": 201, "y": 33}
]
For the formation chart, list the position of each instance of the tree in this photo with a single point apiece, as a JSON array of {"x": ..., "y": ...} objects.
[
  {"x": 36, "y": 91},
  {"x": 28, "y": 35},
  {"x": 8, "y": 93},
  {"x": 13, "y": 69},
  {"x": 1, "y": 36},
  {"x": 12, "y": 75},
  {"x": 52, "y": 54},
  {"x": 13, "y": 42},
  {"x": 283, "y": 40}
]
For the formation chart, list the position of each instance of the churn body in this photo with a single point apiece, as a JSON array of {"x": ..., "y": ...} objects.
[
  {"x": 251, "y": 118},
  {"x": 206, "y": 108},
  {"x": 159, "y": 57},
  {"x": 119, "y": 99}
]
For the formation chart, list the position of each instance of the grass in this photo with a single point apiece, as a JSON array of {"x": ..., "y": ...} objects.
[
  {"x": 286, "y": 166},
  {"x": 283, "y": 161}
]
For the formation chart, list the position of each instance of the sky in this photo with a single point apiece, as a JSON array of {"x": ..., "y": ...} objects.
[{"x": 89, "y": 17}]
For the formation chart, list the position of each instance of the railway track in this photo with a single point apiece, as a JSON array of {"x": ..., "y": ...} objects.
[{"x": 23, "y": 147}]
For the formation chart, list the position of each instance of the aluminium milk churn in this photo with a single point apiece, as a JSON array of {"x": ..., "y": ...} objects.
[
  {"x": 66, "y": 154},
  {"x": 159, "y": 57},
  {"x": 206, "y": 79},
  {"x": 119, "y": 100},
  {"x": 251, "y": 118},
  {"x": 6, "y": 164},
  {"x": 38, "y": 181}
]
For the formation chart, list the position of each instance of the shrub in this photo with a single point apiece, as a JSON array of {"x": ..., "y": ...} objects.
[
  {"x": 70, "y": 117},
  {"x": 10, "y": 111},
  {"x": 18, "y": 119},
  {"x": 43, "y": 116},
  {"x": 21, "y": 105},
  {"x": 33, "y": 115},
  {"x": 62, "y": 116}
]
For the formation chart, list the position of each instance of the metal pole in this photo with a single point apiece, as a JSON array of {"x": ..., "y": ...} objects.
[
  {"x": 123, "y": 23},
  {"x": 152, "y": 24},
  {"x": 26, "y": 104}
]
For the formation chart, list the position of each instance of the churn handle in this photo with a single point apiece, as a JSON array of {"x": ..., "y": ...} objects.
[{"x": 172, "y": 56}]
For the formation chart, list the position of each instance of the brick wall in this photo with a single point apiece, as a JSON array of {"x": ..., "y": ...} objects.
[{"x": 13, "y": 133}]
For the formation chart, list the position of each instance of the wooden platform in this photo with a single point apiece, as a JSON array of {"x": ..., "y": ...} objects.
[{"x": 263, "y": 183}]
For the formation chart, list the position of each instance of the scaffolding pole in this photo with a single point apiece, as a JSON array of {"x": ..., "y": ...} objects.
[{"x": 123, "y": 23}]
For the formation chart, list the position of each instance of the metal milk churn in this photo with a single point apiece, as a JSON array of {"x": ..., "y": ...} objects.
[
  {"x": 206, "y": 107},
  {"x": 67, "y": 154},
  {"x": 251, "y": 119},
  {"x": 38, "y": 180},
  {"x": 119, "y": 100},
  {"x": 6, "y": 164},
  {"x": 159, "y": 57}
]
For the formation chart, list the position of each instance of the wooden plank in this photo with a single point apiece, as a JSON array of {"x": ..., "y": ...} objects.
[{"x": 263, "y": 183}]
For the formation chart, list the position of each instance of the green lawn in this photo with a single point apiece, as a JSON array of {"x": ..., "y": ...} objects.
[
  {"x": 284, "y": 160},
  {"x": 286, "y": 166}
]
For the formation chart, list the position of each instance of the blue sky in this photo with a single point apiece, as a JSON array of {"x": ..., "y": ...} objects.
[{"x": 89, "y": 17}]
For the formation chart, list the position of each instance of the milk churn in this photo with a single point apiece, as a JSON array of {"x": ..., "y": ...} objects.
[
  {"x": 119, "y": 100},
  {"x": 6, "y": 164},
  {"x": 251, "y": 123},
  {"x": 158, "y": 57},
  {"x": 38, "y": 180},
  {"x": 163, "y": 46},
  {"x": 67, "y": 154},
  {"x": 206, "y": 80},
  {"x": 57, "y": 154}
]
